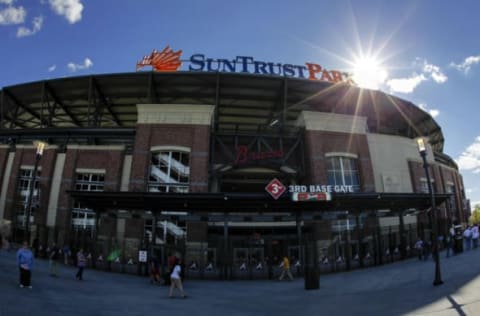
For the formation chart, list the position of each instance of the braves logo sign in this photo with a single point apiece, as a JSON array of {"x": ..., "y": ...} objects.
[{"x": 166, "y": 60}]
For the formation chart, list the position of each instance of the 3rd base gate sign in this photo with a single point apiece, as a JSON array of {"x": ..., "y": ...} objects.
[{"x": 275, "y": 188}]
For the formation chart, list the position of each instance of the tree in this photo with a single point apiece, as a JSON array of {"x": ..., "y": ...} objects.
[{"x": 475, "y": 217}]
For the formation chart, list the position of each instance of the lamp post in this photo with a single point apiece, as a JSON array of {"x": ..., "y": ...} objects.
[
  {"x": 422, "y": 149},
  {"x": 40, "y": 146}
]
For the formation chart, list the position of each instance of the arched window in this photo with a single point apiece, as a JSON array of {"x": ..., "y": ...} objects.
[
  {"x": 169, "y": 171},
  {"x": 343, "y": 171}
]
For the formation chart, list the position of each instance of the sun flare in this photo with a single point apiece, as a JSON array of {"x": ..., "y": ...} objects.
[{"x": 368, "y": 72}]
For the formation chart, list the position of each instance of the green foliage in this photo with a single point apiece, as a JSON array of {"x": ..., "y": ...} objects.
[{"x": 475, "y": 217}]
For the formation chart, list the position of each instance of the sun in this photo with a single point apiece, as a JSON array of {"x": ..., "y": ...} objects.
[{"x": 368, "y": 72}]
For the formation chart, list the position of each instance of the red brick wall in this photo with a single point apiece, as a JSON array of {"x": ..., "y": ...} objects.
[
  {"x": 110, "y": 160},
  {"x": 318, "y": 143},
  {"x": 457, "y": 181},
  {"x": 440, "y": 176},
  {"x": 26, "y": 156},
  {"x": 47, "y": 163},
  {"x": 417, "y": 172},
  {"x": 195, "y": 137}
]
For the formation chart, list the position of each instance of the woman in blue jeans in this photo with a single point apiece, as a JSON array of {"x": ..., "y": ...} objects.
[{"x": 25, "y": 265}]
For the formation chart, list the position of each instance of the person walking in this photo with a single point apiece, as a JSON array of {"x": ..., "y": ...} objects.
[
  {"x": 467, "y": 236},
  {"x": 81, "y": 263},
  {"x": 419, "y": 248},
  {"x": 450, "y": 240},
  {"x": 25, "y": 265},
  {"x": 66, "y": 254},
  {"x": 176, "y": 279},
  {"x": 53, "y": 257},
  {"x": 475, "y": 235},
  {"x": 286, "y": 269}
]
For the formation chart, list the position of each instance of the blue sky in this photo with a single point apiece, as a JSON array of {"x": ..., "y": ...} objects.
[{"x": 425, "y": 51}]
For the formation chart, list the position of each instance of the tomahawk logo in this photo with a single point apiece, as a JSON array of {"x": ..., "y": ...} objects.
[{"x": 166, "y": 60}]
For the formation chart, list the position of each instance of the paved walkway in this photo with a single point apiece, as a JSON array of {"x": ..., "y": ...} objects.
[{"x": 402, "y": 288}]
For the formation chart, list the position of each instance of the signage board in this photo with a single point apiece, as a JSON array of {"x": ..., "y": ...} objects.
[
  {"x": 142, "y": 256},
  {"x": 307, "y": 196},
  {"x": 313, "y": 188},
  {"x": 244, "y": 155},
  {"x": 275, "y": 188},
  {"x": 169, "y": 60}
]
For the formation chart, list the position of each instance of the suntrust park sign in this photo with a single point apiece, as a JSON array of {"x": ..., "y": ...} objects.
[{"x": 168, "y": 60}]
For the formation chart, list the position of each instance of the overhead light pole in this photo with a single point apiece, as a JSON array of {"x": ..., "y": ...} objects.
[
  {"x": 40, "y": 146},
  {"x": 422, "y": 149}
]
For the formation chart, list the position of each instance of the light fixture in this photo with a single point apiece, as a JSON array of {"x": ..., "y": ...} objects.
[
  {"x": 273, "y": 123},
  {"x": 422, "y": 149},
  {"x": 287, "y": 169},
  {"x": 40, "y": 147},
  {"x": 226, "y": 168}
]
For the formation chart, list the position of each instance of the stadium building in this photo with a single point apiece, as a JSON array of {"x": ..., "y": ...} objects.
[{"x": 229, "y": 170}]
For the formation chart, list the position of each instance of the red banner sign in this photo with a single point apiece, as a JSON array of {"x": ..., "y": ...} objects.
[{"x": 308, "y": 197}]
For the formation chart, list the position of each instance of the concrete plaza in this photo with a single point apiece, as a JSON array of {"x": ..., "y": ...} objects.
[{"x": 401, "y": 288}]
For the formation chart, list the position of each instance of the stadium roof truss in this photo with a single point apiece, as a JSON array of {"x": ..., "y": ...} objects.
[{"x": 101, "y": 109}]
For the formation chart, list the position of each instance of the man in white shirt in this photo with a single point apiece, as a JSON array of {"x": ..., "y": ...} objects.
[{"x": 467, "y": 238}]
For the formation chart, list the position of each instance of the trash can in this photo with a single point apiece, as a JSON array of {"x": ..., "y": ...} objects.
[
  {"x": 312, "y": 278},
  {"x": 458, "y": 246}
]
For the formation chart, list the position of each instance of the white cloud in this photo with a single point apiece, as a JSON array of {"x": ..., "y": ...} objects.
[
  {"x": 70, "y": 9},
  {"x": 7, "y": 1},
  {"x": 86, "y": 64},
  {"x": 12, "y": 15},
  {"x": 470, "y": 159},
  {"x": 473, "y": 204},
  {"x": 467, "y": 64},
  {"x": 434, "y": 71},
  {"x": 406, "y": 85},
  {"x": 52, "y": 68},
  {"x": 433, "y": 112},
  {"x": 426, "y": 72},
  {"x": 37, "y": 26}
]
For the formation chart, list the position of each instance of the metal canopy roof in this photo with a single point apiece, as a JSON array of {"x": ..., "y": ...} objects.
[
  {"x": 250, "y": 202},
  {"x": 244, "y": 103}
]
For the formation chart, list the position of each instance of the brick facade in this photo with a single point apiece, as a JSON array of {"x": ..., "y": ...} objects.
[{"x": 319, "y": 143}]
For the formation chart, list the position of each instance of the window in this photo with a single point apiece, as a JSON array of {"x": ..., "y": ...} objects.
[
  {"x": 169, "y": 172},
  {"x": 343, "y": 171},
  {"x": 25, "y": 178},
  {"x": 89, "y": 182},
  {"x": 148, "y": 229},
  {"x": 424, "y": 186},
  {"x": 83, "y": 217},
  {"x": 452, "y": 201}
]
